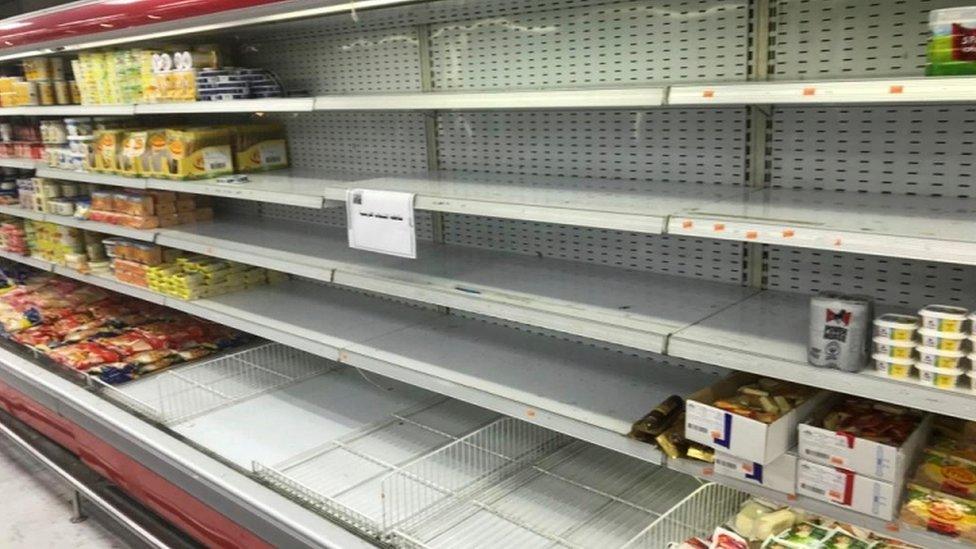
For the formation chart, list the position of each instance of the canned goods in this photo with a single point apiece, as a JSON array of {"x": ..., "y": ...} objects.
[
  {"x": 56, "y": 65},
  {"x": 839, "y": 326},
  {"x": 62, "y": 95},
  {"x": 45, "y": 92},
  {"x": 75, "y": 92}
]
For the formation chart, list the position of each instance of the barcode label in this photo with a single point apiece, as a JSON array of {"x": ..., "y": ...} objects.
[
  {"x": 272, "y": 159},
  {"x": 726, "y": 464},
  {"x": 812, "y": 488},
  {"x": 817, "y": 454},
  {"x": 218, "y": 165},
  {"x": 698, "y": 428}
]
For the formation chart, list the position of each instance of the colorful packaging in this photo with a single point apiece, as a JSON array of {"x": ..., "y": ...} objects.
[
  {"x": 952, "y": 46},
  {"x": 939, "y": 513},
  {"x": 108, "y": 151},
  {"x": 260, "y": 147},
  {"x": 199, "y": 153}
]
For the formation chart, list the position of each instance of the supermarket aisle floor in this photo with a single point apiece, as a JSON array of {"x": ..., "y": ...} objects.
[{"x": 35, "y": 508}]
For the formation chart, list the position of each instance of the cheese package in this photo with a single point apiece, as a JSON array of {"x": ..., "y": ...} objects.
[
  {"x": 260, "y": 147},
  {"x": 198, "y": 153},
  {"x": 108, "y": 151}
]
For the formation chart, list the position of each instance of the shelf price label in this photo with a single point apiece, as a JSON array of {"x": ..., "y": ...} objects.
[{"x": 381, "y": 222}]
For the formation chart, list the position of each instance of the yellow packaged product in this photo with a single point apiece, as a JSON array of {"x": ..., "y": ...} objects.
[
  {"x": 25, "y": 93},
  {"x": 260, "y": 147},
  {"x": 37, "y": 68},
  {"x": 108, "y": 151},
  {"x": 144, "y": 153},
  {"x": 7, "y": 94},
  {"x": 198, "y": 153}
]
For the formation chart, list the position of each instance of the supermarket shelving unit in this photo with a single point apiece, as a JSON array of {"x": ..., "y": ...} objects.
[{"x": 619, "y": 200}]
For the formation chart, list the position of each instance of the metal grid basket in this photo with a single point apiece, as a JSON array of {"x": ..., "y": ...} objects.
[
  {"x": 513, "y": 484},
  {"x": 342, "y": 478},
  {"x": 178, "y": 394},
  {"x": 697, "y": 515}
]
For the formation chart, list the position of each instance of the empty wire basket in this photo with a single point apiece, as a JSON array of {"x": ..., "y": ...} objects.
[
  {"x": 697, "y": 515},
  {"x": 342, "y": 478},
  {"x": 181, "y": 393},
  {"x": 513, "y": 484}
]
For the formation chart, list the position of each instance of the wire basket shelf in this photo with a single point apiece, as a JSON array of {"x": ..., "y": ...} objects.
[
  {"x": 181, "y": 393},
  {"x": 342, "y": 478},
  {"x": 695, "y": 515}
]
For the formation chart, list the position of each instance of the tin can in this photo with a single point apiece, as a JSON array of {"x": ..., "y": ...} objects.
[
  {"x": 45, "y": 92},
  {"x": 62, "y": 96},
  {"x": 839, "y": 328}
]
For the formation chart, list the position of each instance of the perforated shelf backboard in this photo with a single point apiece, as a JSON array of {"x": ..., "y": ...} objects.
[
  {"x": 591, "y": 45},
  {"x": 814, "y": 39},
  {"x": 892, "y": 281},
  {"x": 672, "y": 145},
  {"x": 925, "y": 150}
]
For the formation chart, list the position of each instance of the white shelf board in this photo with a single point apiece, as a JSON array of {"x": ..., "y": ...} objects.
[
  {"x": 767, "y": 334},
  {"x": 915, "y": 227},
  {"x": 882, "y": 90},
  {"x": 19, "y": 163},
  {"x": 706, "y": 471},
  {"x": 595, "y": 98},
  {"x": 271, "y": 187},
  {"x": 70, "y": 221},
  {"x": 629, "y": 308},
  {"x": 92, "y": 177},
  {"x": 99, "y": 227},
  {"x": 582, "y": 391},
  {"x": 278, "y": 104},
  {"x": 110, "y": 283},
  {"x": 35, "y": 262},
  {"x": 69, "y": 110},
  {"x": 23, "y": 213},
  {"x": 639, "y": 206}
]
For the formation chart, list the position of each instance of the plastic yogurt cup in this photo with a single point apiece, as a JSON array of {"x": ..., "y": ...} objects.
[
  {"x": 939, "y": 359},
  {"x": 942, "y": 378},
  {"x": 943, "y": 341},
  {"x": 895, "y": 326},
  {"x": 943, "y": 318},
  {"x": 893, "y": 347},
  {"x": 972, "y": 322},
  {"x": 897, "y": 368}
]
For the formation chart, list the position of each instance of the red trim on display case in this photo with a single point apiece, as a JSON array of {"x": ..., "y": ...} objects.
[
  {"x": 171, "y": 502},
  {"x": 83, "y": 19}
]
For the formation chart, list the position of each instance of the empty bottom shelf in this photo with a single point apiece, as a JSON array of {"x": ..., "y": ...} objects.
[{"x": 408, "y": 466}]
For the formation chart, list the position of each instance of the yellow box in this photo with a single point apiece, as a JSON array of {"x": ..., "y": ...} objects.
[
  {"x": 108, "y": 151},
  {"x": 198, "y": 153},
  {"x": 260, "y": 147}
]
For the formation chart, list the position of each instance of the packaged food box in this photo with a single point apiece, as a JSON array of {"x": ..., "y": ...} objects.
[
  {"x": 260, "y": 147},
  {"x": 948, "y": 474},
  {"x": 108, "y": 151},
  {"x": 847, "y": 489},
  {"x": 749, "y": 417},
  {"x": 939, "y": 513},
  {"x": 952, "y": 46},
  {"x": 199, "y": 153},
  {"x": 870, "y": 438},
  {"x": 778, "y": 475},
  {"x": 144, "y": 153}
]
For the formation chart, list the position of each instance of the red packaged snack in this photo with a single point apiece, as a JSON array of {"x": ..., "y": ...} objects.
[
  {"x": 37, "y": 336},
  {"x": 82, "y": 356},
  {"x": 131, "y": 342}
]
